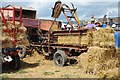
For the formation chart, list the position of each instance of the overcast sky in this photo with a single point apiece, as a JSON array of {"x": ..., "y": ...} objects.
[{"x": 85, "y": 8}]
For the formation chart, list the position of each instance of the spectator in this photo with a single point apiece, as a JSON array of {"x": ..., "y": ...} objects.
[
  {"x": 84, "y": 23},
  {"x": 92, "y": 18},
  {"x": 117, "y": 38},
  {"x": 92, "y": 23},
  {"x": 105, "y": 19},
  {"x": 98, "y": 25},
  {"x": 104, "y": 25},
  {"x": 111, "y": 22}
]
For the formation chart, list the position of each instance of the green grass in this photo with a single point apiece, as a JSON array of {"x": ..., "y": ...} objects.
[
  {"x": 22, "y": 71},
  {"x": 65, "y": 76},
  {"x": 3, "y": 76},
  {"x": 57, "y": 71},
  {"x": 48, "y": 73}
]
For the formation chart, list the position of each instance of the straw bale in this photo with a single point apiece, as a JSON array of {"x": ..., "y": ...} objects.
[
  {"x": 111, "y": 73},
  {"x": 2, "y": 38},
  {"x": 75, "y": 39},
  {"x": 7, "y": 37},
  {"x": 99, "y": 61},
  {"x": 103, "y": 37},
  {"x": 106, "y": 30},
  {"x": 22, "y": 28},
  {"x": 20, "y": 36},
  {"x": 117, "y": 52},
  {"x": 84, "y": 40},
  {"x": 71, "y": 39},
  {"x": 94, "y": 68},
  {"x": 101, "y": 52},
  {"x": 83, "y": 60},
  {"x": 7, "y": 44},
  {"x": 90, "y": 37},
  {"x": 102, "y": 57},
  {"x": 112, "y": 63}
]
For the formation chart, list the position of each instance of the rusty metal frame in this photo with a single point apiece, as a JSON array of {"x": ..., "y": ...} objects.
[
  {"x": 13, "y": 19},
  {"x": 72, "y": 11},
  {"x": 52, "y": 36},
  {"x": 65, "y": 8},
  {"x": 50, "y": 42}
]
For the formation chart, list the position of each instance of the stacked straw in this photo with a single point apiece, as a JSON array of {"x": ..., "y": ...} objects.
[
  {"x": 71, "y": 39},
  {"x": 102, "y": 58},
  {"x": 76, "y": 39},
  {"x": 8, "y": 38},
  {"x": 100, "y": 61},
  {"x": 103, "y": 37}
]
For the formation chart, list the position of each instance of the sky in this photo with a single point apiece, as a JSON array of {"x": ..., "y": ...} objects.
[{"x": 85, "y": 8}]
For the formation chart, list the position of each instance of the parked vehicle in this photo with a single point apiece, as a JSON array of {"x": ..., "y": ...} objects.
[
  {"x": 48, "y": 40},
  {"x": 12, "y": 49}
]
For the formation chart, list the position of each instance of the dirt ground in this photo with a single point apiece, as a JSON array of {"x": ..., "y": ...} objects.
[{"x": 37, "y": 67}]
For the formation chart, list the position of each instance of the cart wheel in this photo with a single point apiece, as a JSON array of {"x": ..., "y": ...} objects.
[
  {"x": 22, "y": 53},
  {"x": 60, "y": 58},
  {"x": 16, "y": 62}
]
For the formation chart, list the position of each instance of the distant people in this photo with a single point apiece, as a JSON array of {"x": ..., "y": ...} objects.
[
  {"x": 111, "y": 22},
  {"x": 65, "y": 27},
  {"x": 92, "y": 23},
  {"x": 117, "y": 38},
  {"x": 92, "y": 18},
  {"x": 84, "y": 23},
  {"x": 104, "y": 23},
  {"x": 98, "y": 25},
  {"x": 105, "y": 19}
]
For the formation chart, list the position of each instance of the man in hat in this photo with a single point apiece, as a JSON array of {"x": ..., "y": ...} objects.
[{"x": 92, "y": 23}]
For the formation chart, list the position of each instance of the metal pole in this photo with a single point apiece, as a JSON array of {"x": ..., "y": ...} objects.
[
  {"x": 13, "y": 18},
  {"x": 0, "y": 43},
  {"x": 20, "y": 16}
]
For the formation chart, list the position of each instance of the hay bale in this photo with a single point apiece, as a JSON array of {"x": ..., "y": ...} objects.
[
  {"x": 24, "y": 41},
  {"x": 117, "y": 52},
  {"x": 90, "y": 37},
  {"x": 103, "y": 37},
  {"x": 8, "y": 38},
  {"x": 94, "y": 69},
  {"x": 2, "y": 38},
  {"x": 71, "y": 39},
  {"x": 7, "y": 44},
  {"x": 112, "y": 63},
  {"x": 111, "y": 73},
  {"x": 75, "y": 39},
  {"x": 20, "y": 36},
  {"x": 98, "y": 60},
  {"x": 84, "y": 40},
  {"x": 83, "y": 61},
  {"x": 101, "y": 53}
]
